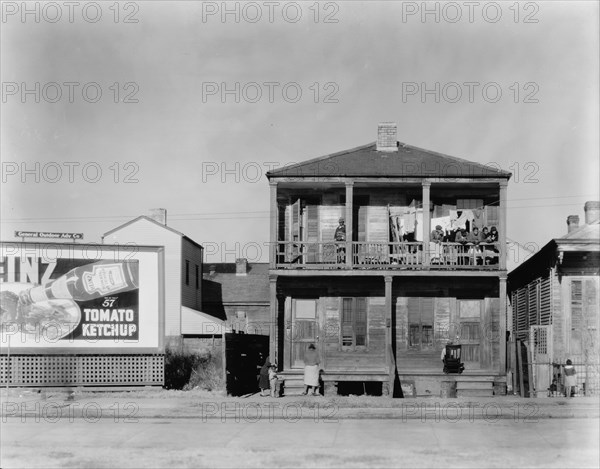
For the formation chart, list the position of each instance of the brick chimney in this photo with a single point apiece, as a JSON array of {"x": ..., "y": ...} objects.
[
  {"x": 387, "y": 136},
  {"x": 159, "y": 215},
  {"x": 592, "y": 211},
  {"x": 572, "y": 222},
  {"x": 241, "y": 266}
]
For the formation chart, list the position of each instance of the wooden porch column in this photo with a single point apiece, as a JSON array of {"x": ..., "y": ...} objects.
[
  {"x": 426, "y": 222},
  {"x": 273, "y": 303},
  {"x": 502, "y": 227},
  {"x": 273, "y": 227},
  {"x": 502, "y": 323},
  {"x": 388, "y": 317},
  {"x": 349, "y": 223}
]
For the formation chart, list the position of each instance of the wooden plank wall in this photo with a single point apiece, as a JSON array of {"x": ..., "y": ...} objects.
[
  {"x": 378, "y": 224},
  {"x": 442, "y": 322},
  {"x": 371, "y": 359},
  {"x": 559, "y": 338},
  {"x": 329, "y": 220},
  {"x": 376, "y": 325},
  {"x": 446, "y": 322}
]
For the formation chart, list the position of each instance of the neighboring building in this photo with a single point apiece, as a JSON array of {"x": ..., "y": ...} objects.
[
  {"x": 183, "y": 275},
  {"x": 554, "y": 297},
  {"x": 386, "y": 296},
  {"x": 239, "y": 293}
]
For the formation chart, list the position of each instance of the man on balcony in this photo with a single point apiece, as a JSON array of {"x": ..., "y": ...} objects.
[{"x": 340, "y": 238}]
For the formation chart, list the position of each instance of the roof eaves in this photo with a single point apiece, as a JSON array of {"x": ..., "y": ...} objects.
[
  {"x": 277, "y": 172},
  {"x": 142, "y": 217},
  {"x": 500, "y": 172}
]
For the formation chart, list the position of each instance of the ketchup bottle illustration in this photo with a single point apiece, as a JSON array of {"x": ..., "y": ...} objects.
[{"x": 86, "y": 282}]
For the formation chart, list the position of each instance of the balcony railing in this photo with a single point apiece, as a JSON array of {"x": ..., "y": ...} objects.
[{"x": 370, "y": 255}]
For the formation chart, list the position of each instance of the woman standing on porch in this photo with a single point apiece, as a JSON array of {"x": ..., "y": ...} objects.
[
  {"x": 570, "y": 379},
  {"x": 311, "y": 370}
]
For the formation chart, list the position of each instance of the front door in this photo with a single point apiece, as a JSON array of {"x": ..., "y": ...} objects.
[
  {"x": 469, "y": 312},
  {"x": 304, "y": 329}
]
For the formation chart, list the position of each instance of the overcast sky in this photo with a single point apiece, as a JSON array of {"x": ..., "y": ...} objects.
[{"x": 362, "y": 62}]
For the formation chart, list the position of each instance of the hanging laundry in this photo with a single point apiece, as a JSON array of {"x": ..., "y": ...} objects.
[
  {"x": 444, "y": 222},
  {"x": 409, "y": 222},
  {"x": 464, "y": 219},
  {"x": 478, "y": 218},
  {"x": 418, "y": 225}
]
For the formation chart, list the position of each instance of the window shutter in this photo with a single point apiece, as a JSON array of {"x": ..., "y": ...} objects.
[
  {"x": 347, "y": 329},
  {"x": 361, "y": 322},
  {"x": 545, "y": 302}
]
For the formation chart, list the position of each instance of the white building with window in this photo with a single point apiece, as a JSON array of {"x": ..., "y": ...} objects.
[{"x": 183, "y": 275}]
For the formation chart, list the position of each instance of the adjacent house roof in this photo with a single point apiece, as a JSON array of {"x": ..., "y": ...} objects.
[
  {"x": 591, "y": 231},
  {"x": 582, "y": 245},
  {"x": 151, "y": 220},
  {"x": 408, "y": 161},
  {"x": 241, "y": 289}
]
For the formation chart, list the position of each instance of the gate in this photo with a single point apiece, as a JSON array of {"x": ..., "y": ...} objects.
[{"x": 541, "y": 358}]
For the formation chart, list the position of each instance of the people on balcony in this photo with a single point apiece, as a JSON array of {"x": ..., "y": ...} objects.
[
  {"x": 461, "y": 236},
  {"x": 474, "y": 250},
  {"x": 437, "y": 235},
  {"x": 435, "y": 244},
  {"x": 493, "y": 238},
  {"x": 340, "y": 238}
]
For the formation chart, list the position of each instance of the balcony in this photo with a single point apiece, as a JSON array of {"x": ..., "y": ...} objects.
[{"x": 369, "y": 256}]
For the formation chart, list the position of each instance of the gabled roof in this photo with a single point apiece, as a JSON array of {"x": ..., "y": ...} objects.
[
  {"x": 408, "y": 161},
  {"x": 250, "y": 288},
  {"x": 151, "y": 220}
]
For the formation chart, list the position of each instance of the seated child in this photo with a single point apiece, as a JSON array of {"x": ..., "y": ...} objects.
[{"x": 273, "y": 380}]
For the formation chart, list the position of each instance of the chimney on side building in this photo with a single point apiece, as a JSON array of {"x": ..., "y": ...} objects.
[
  {"x": 387, "y": 136},
  {"x": 592, "y": 211},
  {"x": 241, "y": 266},
  {"x": 572, "y": 222},
  {"x": 159, "y": 215}
]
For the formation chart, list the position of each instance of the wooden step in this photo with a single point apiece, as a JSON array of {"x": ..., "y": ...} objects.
[
  {"x": 474, "y": 392},
  {"x": 463, "y": 377},
  {"x": 473, "y": 385}
]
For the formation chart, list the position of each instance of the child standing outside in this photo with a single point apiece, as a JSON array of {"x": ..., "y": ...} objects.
[{"x": 273, "y": 380}]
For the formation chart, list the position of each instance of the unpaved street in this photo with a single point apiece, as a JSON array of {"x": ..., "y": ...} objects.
[{"x": 197, "y": 442}]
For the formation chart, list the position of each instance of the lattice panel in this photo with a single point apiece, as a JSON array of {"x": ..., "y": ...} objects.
[
  {"x": 82, "y": 370},
  {"x": 540, "y": 338}
]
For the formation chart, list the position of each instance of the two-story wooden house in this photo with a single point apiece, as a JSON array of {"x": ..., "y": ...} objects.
[
  {"x": 556, "y": 309},
  {"x": 388, "y": 292}
]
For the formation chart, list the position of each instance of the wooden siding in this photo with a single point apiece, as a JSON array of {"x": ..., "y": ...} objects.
[
  {"x": 443, "y": 314},
  {"x": 370, "y": 358},
  {"x": 190, "y": 295},
  {"x": 144, "y": 232},
  {"x": 559, "y": 338},
  {"x": 532, "y": 306}
]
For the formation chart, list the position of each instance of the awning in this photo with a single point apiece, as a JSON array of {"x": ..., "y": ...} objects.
[{"x": 196, "y": 322}]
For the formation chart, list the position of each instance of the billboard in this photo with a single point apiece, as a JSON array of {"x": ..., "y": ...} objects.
[{"x": 81, "y": 297}]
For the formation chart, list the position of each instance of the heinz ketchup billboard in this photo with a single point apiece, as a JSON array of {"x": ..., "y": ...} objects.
[{"x": 77, "y": 296}]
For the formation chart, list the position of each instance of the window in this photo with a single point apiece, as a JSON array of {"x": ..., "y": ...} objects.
[
  {"x": 420, "y": 336},
  {"x": 197, "y": 277},
  {"x": 420, "y": 323},
  {"x": 354, "y": 323},
  {"x": 187, "y": 272}
]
